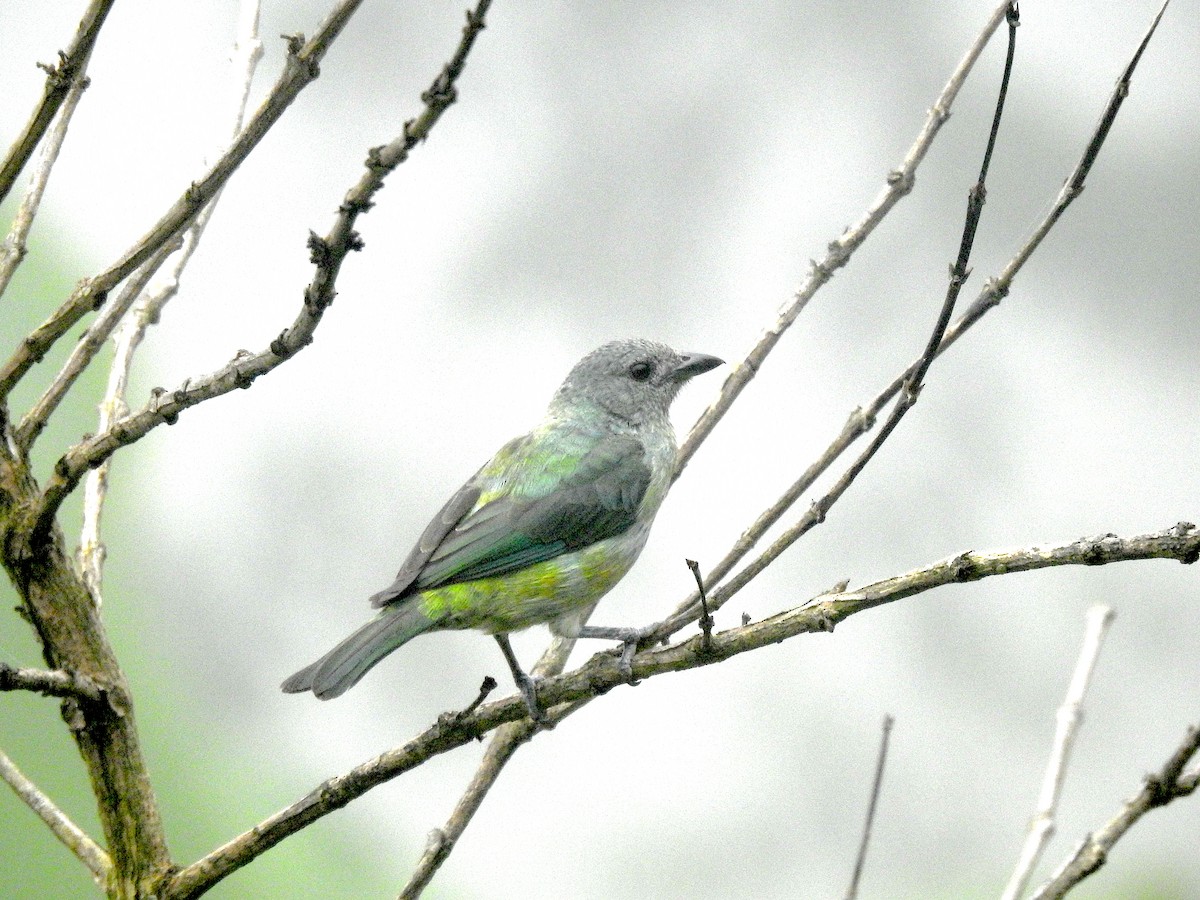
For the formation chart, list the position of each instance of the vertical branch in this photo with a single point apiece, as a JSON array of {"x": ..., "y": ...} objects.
[
  {"x": 146, "y": 309},
  {"x": 1070, "y": 715},
  {"x": 876, "y": 789}
]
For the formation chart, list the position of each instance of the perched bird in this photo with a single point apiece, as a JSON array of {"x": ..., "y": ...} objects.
[{"x": 543, "y": 530}]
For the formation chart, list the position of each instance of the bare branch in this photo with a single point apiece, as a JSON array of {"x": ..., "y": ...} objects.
[
  {"x": 71, "y": 67},
  {"x": 87, "y": 347},
  {"x": 13, "y": 251},
  {"x": 301, "y": 70},
  {"x": 899, "y": 182},
  {"x": 564, "y": 694},
  {"x": 863, "y": 419},
  {"x": 147, "y": 308},
  {"x": 1169, "y": 783},
  {"x": 1070, "y": 715},
  {"x": 505, "y": 742},
  {"x": 327, "y": 255},
  {"x": 72, "y": 836},
  {"x": 51, "y": 682},
  {"x": 876, "y": 786}
]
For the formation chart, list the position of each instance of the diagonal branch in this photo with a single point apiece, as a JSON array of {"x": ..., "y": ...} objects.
[
  {"x": 71, "y": 67},
  {"x": 327, "y": 254},
  {"x": 602, "y": 673},
  {"x": 301, "y": 69},
  {"x": 504, "y": 743},
  {"x": 899, "y": 182},
  {"x": 1169, "y": 783},
  {"x": 14, "y": 249},
  {"x": 72, "y": 836},
  {"x": 863, "y": 419}
]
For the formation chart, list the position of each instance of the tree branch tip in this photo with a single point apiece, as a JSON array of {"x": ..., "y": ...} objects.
[
  {"x": 295, "y": 43},
  {"x": 374, "y": 160},
  {"x": 318, "y": 249}
]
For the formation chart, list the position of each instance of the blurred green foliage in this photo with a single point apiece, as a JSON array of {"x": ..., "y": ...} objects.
[{"x": 207, "y": 793}]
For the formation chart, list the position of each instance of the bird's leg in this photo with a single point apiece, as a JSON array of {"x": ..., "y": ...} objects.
[
  {"x": 525, "y": 684},
  {"x": 630, "y": 637}
]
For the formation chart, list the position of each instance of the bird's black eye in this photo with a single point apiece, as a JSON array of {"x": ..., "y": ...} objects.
[{"x": 641, "y": 371}]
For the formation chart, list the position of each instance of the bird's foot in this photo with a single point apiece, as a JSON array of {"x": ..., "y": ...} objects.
[
  {"x": 527, "y": 685},
  {"x": 629, "y": 638}
]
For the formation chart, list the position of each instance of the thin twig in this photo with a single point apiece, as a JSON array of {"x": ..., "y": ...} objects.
[
  {"x": 301, "y": 69},
  {"x": 72, "y": 836},
  {"x": 899, "y": 182},
  {"x": 563, "y": 694},
  {"x": 706, "y": 619},
  {"x": 504, "y": 743},
  {"x": 72, "y": 65},
  {"x": 1169, "y": 783},
  {"x": 876, "y": 788},
  {"x": 148, "y": 307},
  {"x": 327, "y": 254},
  {"x": 50, "y": 682},
  {"x": 14, "y": 249},
  {"x": 863, "y": 419},
  {"x": 1070, "y": 715}
]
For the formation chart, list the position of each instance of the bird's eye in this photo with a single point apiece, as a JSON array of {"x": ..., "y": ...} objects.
[{"x": 641, "y": 371}]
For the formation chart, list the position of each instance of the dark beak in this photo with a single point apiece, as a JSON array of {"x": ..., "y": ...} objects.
[{"x": 693, "y": 364}]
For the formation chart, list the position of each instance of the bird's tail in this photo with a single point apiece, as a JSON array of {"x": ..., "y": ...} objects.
[{"x": 341, "y": 668}]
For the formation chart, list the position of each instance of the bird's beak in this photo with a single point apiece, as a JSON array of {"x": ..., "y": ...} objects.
[{"x": 693, "y": 364}]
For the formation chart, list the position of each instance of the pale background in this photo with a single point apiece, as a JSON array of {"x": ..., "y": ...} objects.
[{"x": 658, "y": 170}]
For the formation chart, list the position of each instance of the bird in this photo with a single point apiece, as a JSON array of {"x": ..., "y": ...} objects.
[{"x": 544, "y": 529}]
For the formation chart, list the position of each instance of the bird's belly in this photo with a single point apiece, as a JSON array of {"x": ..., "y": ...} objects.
[{"x": 537, "y": 593}]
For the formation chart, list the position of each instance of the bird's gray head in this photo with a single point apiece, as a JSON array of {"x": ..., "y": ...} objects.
[{"x": 633, "y": 380}]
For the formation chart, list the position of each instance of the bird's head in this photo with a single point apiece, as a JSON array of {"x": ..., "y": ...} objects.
[{"x": 633, "y": 380}]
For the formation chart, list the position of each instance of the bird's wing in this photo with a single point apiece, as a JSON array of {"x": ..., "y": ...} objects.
[{"x": 535, "y": 505}]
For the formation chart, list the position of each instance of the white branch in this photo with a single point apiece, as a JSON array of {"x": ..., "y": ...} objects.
[
  {"x": 76, "y": 840},
  {"x": 145, "y": 311},
  {"x": 1069, "y": 717}
]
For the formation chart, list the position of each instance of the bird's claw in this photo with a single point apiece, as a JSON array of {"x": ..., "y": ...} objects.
[
  {"x": 629, "y": 648},
  {"x": 527, "y": 685}
]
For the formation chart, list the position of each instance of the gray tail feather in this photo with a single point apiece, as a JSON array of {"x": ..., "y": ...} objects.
[{"x": 342, "y": 667}]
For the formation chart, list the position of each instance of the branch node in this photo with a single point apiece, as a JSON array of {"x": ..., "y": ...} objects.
[
  {"x": 295, "y": 43},
  {"x": 279, "y": 346},
  {"x": 963, "y": 568},
  {"x": 318, "y": 250}
]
